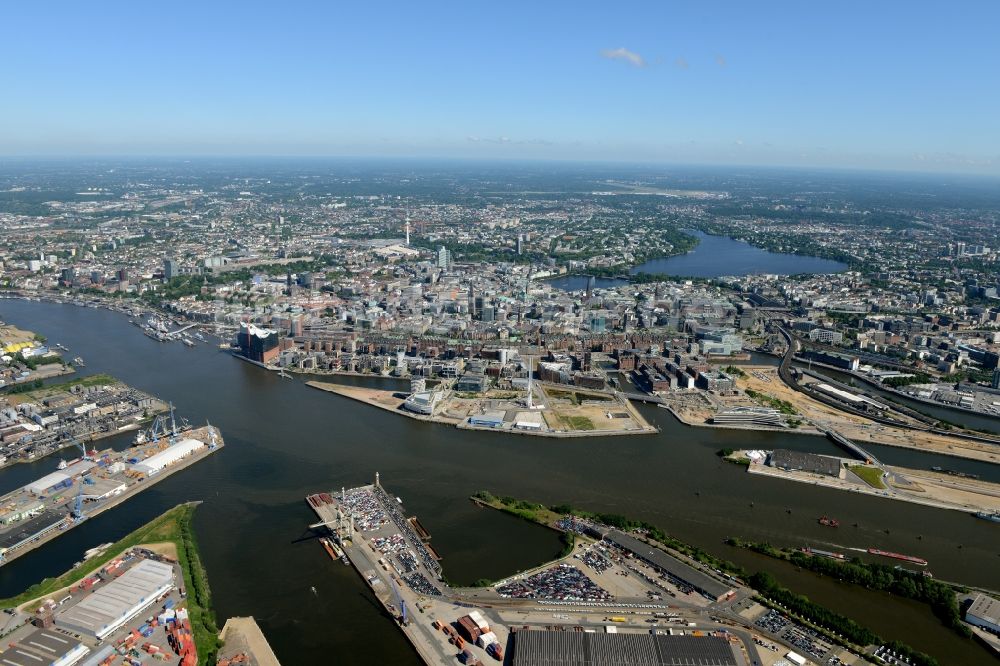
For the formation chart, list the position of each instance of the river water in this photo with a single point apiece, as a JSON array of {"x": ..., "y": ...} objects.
[{"x": 285, "y": 440}]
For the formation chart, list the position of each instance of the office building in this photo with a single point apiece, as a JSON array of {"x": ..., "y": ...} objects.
[{"x": 444, "y": 258}]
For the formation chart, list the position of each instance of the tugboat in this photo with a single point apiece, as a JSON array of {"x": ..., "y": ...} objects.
[{"x": 829, "y": 522}]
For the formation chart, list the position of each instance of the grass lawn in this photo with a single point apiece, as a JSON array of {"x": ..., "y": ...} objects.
[
  {"x": 870, "y": 475},
  {"x": 174, "y": 526},
  {"x": 577, "y": 422},
  {"x": 63, "y": 387}
]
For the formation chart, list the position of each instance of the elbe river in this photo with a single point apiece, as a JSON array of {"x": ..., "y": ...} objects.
[{"x": 285, "y": 440}]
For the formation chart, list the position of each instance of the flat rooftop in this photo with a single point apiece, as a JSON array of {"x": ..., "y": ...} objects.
[
  {"x": 119, "y": 598},
  {"x": 663, "y": 560},
  {"x": 986, "y": 608},
  {"x": 562, "y": 648},
  {"x": 41, "y": 647}
]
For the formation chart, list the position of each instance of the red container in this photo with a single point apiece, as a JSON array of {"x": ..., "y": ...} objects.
[{"x": 469, "y": 628}]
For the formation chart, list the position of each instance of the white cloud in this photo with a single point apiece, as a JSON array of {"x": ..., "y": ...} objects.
[{"x": 622, "y": 53}]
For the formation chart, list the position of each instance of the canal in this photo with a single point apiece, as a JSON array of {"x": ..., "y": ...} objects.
[{"x": 285, "y": 440}]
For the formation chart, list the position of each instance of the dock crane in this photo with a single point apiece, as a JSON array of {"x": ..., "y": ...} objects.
[
  {"x": 156, "y": 429},
  {"x": 78, "y": 515},
  {"x": 173, "y": 426}
]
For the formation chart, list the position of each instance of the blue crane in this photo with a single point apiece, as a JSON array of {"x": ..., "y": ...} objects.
[
  {"x": 78, "y": 515},
  {"x": 156, "y": 429}
]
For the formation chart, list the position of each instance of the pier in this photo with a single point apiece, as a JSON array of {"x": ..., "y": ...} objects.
[{"x": 108, "y": 480}]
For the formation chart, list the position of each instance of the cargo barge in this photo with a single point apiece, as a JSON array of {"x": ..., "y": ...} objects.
[
  {"x": 334, "y": 550},
  {"x": 898, "y": 556}
]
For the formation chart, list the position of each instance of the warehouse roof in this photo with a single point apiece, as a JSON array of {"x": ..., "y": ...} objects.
[
  {"x": 168, "y": 456},
  {"x": 43, "y": 647},
  {"x": 670, "y": 564},
  {"x": 560, "y": 648},
  {"x": 808, "y": 462},
  {"x": 986, "y": 608},
  {"x": 43, "y": 484},
  {"x": 107, "y": 606}
]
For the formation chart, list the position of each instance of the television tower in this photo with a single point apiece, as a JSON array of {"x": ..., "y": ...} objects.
[{"x": 407, "y": 231}]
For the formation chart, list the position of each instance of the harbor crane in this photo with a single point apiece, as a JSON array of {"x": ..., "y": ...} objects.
[{"x": 78, "y": 515}]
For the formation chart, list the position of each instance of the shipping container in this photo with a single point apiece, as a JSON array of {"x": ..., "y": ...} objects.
[
  {"x": 480, "y": 621},
  {"x": 469, "y": 628}
]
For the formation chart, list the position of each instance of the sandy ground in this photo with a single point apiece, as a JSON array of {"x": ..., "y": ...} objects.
[
  {"x": 925, "y": 488},
  {"x": 167, "y": 549},
  {"x": 971, "y": 493},
  {"x": 242, "y": 635},
  {"x": 10, "y": 334},
  {"x": 860, "y": 429}
]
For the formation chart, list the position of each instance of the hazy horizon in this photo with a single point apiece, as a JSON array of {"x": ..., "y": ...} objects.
[{"x": 888, "y": 87}]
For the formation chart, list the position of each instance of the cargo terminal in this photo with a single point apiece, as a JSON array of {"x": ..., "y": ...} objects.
[
  {"x": 62, "y": 499},
  {"x": 615, "y": 599}
]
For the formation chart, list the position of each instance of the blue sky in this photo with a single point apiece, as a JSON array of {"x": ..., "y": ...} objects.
[{"x": 888, "y": 84}]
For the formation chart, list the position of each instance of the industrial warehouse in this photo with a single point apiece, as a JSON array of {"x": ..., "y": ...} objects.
[
  {"x": 559, "y": 648},
  {"x": 132, "y": 608},
  {"x": 797, "y": 461},
  {"x": 168, "y": 456},
  {"x": 44, "y": 646},
  {"x": 671, "y": 566},
  {"x": 110, "y": 607}
]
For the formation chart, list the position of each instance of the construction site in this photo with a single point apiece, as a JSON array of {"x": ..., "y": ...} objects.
[
  {"x": 543, "y": 409},
  {"x": 95, "y": 482},
  {"x": 871, "y": 477}
]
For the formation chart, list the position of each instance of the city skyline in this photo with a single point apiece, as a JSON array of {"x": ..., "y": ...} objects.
[{"x": 867, "y": 88}]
